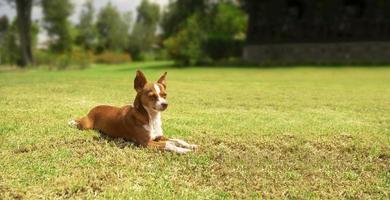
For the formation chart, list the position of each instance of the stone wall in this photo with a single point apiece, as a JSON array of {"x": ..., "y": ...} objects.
[{"x": 319, "y": 53}]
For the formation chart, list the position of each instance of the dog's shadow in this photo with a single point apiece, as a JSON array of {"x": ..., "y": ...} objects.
[{"x": 117, "y": 142}]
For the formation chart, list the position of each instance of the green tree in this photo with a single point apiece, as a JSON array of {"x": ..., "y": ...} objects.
[
  {"x": 56, "y": 13},
  {"x": 228, "y": 21},
  {"x": 10, "y": 42},
  {"x": 4, "y": 24},
  {"x": 87, "y": 34},
  {"x": 143, "y": 36},
  {"x": 215, "y": 32},
  {"x": 113, "y": 29},
  {"x": 226, "y": 30},
  {"x": 177, "y": 14},
  {"x": 186, "y": 46}
]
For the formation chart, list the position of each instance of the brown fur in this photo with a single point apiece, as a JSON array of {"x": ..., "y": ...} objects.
[{"x": 128, "y": 121}]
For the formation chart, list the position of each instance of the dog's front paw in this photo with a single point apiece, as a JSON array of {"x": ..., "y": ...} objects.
[
  {"x": 194, "y": 147},
  {"x": 182, "y": 150},
  {"x": 171, "y": 146}
]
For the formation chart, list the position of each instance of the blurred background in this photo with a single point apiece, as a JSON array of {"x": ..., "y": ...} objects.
[{"x": 76, "y": 33}]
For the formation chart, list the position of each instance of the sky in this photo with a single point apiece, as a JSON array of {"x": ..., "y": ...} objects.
[{"x": 122, "y": 5}]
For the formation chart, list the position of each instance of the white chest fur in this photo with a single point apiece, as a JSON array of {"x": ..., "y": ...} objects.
[{"x": 154, "y": 127}]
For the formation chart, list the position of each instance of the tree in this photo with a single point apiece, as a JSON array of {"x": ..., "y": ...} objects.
[
  {"x": 215, "y": 32},
  {"x": 8, "y": 43},
  {"x": 113, "y": 29},
  {"x": 225, "y": 31},
  {"x": 177, "y": 14},
  {"x": 87, "y": 34},
  {"x": 148, "y": 13},
  {"x": 144, "y": 33},
  {"x": 228, "y": 20},
  {"x": 23, "y": 13},
  {"x": 4, "y": 24},
  {"x": 187, "y": 45},
  {"x": 56, "y": 13}
]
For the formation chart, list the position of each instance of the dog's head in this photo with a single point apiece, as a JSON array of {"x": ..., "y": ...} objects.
[{"x": 152, "y": 96}]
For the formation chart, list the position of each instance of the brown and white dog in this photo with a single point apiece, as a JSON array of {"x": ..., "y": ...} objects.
[{"x": 140, "y": 123}]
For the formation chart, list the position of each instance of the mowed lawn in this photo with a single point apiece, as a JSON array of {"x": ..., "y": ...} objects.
[{"x": 299, "y": 132}]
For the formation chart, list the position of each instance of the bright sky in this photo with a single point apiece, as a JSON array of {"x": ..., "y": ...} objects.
[{"x": 122, "y": 5}]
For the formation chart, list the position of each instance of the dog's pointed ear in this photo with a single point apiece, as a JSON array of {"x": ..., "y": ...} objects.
[
  {"x": 163, "y": 80},
  {"x": 139, "y": 81}
]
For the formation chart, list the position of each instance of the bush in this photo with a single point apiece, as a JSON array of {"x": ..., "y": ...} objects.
[
  {"x": 109, "y": 57},
  {"x": 153, "y": 55},
  {"x": 81, "y": 58},
  {"x": 76, "y": 59}
]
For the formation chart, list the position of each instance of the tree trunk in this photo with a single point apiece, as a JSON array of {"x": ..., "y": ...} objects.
[
  {"x": 24, "y": 8},
  {"x": 251, "y": 7}
]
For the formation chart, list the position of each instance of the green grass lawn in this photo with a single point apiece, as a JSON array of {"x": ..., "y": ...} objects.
[{"x": 297, "y": 132}]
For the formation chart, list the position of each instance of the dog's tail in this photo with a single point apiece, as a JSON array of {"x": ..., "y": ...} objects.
[
  {"x": 84, "y": 123},
  {"x": 73, "y": 123}
]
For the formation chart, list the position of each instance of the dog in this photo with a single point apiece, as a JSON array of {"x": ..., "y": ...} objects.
[{"x": 139, "y": 123}]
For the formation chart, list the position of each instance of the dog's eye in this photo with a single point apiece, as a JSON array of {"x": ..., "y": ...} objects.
[
  {"x": 153, "y": 96},
  {"x": 163, "y": 95}
]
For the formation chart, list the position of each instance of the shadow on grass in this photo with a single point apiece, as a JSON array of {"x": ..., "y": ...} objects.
[{"x": 117, "y": 142}]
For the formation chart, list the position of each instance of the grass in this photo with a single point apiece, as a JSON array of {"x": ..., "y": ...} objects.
[{"x": 297, "y": 133}]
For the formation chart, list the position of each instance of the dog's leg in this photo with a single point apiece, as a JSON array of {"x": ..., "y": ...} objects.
[
  {"x": 182, "y": 143},
  {"x": 167, "y": 146},
  {"x": 178, "y": 142}
]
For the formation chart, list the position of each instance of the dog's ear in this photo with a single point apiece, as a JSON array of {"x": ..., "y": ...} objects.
[
  {"x": 163, "y": 80},
  {"x": 139, "y": 81}
]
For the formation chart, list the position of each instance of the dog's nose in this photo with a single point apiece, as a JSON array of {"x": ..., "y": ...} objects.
[{"x": 164, "y": 105}]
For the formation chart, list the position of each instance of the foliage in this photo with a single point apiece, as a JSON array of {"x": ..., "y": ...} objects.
[
  {"x": 148, "y": 13},
  {"x": 113, "y": 29},
  {"x": 109, "y": 57},
  {"x": 4, "y": 24},
  {"x": 56, "y": 13},
  {"x": 177, "y": 14},
  {"x": 227, "y": 30},
  {"x": 154, "y": 55},
  {"x": 187, "y": 45},
  {"x": 10, "y": 41},
  {"x": 87, "y": 33},
  {"x": 9, "y": 49},
  {"x": 209, "y": 35},
  {"x": 279, "y": 133},
  {"x": 228, "y": 21},
  {"x": 4, "y": 34},
  {"x": 143, "y": 36}
]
